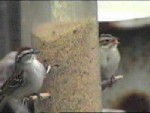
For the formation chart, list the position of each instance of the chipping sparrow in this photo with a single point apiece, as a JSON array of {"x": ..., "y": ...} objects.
[
  {"x": 109, "y": 56},
  {"x": 25, "y": 76}
]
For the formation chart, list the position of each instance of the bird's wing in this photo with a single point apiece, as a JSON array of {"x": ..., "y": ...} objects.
[
  {"x": 6, "y": 69},
  {"x": 13, "y": 82},
  {"x": 104, "y": 71}
]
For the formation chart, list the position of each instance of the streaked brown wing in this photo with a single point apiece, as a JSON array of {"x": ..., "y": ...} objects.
[{"x": 13, "y": 82}]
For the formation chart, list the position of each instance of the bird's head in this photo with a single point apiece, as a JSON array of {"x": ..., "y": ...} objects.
[
  {"x": 108, "y": 41},
  {"x": 26, "y": 55}
]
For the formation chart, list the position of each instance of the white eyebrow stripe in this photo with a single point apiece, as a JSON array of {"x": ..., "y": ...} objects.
[
  {"x": 24, "y": 52},
  {"x": 107, "y": 38}
]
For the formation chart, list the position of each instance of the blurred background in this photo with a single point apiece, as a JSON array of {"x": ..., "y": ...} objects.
[{"x": 130, "y": 22}]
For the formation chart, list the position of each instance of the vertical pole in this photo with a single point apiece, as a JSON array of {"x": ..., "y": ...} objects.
[{"x": 71, "y": 40}]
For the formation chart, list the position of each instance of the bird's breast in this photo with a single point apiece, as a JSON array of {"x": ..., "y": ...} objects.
[
  {"x": 109, "y": 60},
  {"x": 39, "y": 72}
]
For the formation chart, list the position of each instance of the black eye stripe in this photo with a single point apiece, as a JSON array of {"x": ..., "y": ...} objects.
[
  {"x": 19, "y": 57},
  {"x": 23, "y": 55},
  {"x": 27, "y": 51},
  {"x": 105, "y": 41}
]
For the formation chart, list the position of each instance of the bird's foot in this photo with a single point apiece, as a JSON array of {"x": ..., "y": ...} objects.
[
  {"x": 39, "y": 97},
  {"x": 25, "y": 100},
  {"x": 112, "y": 81},
  {"x": 108, "y": 82}
]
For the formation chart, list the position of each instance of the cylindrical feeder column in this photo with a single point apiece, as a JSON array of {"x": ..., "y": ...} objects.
[{"x": 70, "y": 40}]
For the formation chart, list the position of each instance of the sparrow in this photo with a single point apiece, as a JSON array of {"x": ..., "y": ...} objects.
[
  {"x": 24, "y": 74},
  {"x": 109, "y": 56}
]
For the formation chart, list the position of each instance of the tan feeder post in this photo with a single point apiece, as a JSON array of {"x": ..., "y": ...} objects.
[{"x": 66, "y": 32}]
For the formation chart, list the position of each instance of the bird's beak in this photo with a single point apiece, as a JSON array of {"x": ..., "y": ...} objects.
[
  {"x": 116, "y": 41},
  {"x": 36, "y": 51}
]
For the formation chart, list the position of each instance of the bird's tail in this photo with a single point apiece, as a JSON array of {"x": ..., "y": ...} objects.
[
  {"x": 1, "y": 96},
  {"x": 3, "y": 101}
]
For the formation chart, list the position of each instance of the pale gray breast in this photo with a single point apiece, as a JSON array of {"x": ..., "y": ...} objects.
[
  {"x": 113, "y": 61},
  {"x": 33, "y": 80},
  {"x": 39, "y": 73},
  {"x": 109, "y": 60}
]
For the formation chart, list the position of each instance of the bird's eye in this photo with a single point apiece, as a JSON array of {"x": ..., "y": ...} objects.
[{"x": 107, "y": 40}]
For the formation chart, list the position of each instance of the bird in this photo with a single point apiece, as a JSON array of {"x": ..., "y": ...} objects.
[
  {"x": 109, "y": 56},
  {"x": 7, "y": 66},
  {"x": 24, "y": 74}
]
